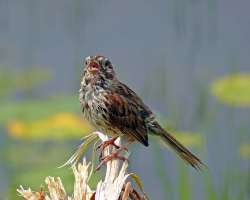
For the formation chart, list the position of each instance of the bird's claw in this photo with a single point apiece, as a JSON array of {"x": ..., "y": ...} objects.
[
  {"x": 114, "y": 155},
  {"x": 107, "y": 143},
  {"x": 104, "y": 144}
]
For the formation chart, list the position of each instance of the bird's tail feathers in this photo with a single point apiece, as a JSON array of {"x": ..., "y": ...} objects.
[{"x": 182, "y": 151}]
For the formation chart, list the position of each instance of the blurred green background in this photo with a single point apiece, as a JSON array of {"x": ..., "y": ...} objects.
[{"x": 188, "y": 60}]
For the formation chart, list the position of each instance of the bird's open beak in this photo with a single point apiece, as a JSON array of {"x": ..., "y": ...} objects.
[{"x": 94, "y": 67}]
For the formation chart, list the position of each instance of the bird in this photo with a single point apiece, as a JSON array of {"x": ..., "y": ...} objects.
[{"x": 115, "y": 109}]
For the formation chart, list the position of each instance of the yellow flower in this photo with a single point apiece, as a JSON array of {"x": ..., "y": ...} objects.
[
  {"x": 233, "y": 89},
  {"x": 16, "y": 128},
  {"x": 60, "y": 125},
  {"x": 244, "y": 151}
]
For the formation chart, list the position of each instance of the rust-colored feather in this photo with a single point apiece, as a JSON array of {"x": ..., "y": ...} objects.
[{"x": 123, "y": 115}]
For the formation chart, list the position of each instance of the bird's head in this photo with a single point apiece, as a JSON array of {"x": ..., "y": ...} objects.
[{"x": 98, "y": 67}]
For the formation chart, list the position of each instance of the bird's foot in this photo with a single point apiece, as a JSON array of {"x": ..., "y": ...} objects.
[
  {"x": 114, "y": 155},
  {"x": 107, "y": 143}
]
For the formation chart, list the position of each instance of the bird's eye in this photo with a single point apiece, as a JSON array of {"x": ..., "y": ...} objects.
[
  {"x": 86, "y": 62},
  {"x": 107, "y": 63}
]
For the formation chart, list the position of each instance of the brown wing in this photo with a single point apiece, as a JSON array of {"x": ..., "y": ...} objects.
[
  {"x": 127, "y": 113},
  {"x": 125, "y": 91}
]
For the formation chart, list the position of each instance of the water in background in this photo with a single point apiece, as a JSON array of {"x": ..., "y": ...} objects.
[{"x": 169, "y": 52}]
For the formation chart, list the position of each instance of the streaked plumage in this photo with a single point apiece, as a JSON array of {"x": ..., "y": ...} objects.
[{"x": 112, "y": 107}]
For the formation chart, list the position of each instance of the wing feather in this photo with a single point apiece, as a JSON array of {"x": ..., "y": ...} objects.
[{"x": 126, "y": 113}]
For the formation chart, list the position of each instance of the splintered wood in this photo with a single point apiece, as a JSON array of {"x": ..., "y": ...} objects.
[{"x": 115, "y": 185}]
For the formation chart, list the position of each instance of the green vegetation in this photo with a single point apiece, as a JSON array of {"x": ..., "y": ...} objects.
[
  {"x": 233, "y": 89},
  {"x": 25, "y": 80},
  {"x": 34, "y": 109}
]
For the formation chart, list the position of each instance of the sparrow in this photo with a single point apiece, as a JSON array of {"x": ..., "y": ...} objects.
[{"x": 116, "y": 110}]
